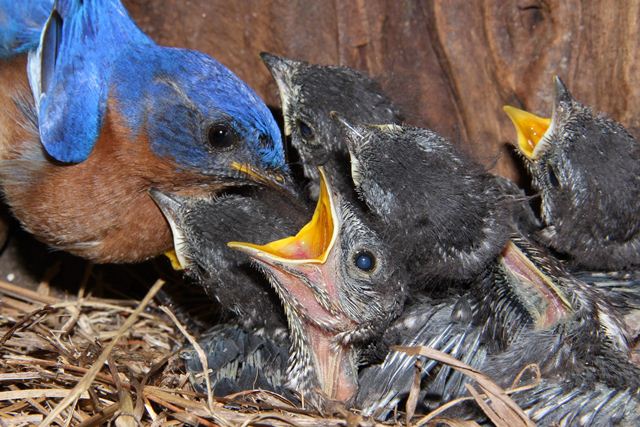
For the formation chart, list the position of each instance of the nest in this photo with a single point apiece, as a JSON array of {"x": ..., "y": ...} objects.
[{"x": 78, "y": 360}]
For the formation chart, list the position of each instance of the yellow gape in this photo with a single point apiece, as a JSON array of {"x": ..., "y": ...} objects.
[
  {"x": 530, "y": 129},
  {"x": 313, "y": 242}
]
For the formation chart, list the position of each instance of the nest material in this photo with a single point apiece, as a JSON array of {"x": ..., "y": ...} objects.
[{"x": 80, "y": 361}]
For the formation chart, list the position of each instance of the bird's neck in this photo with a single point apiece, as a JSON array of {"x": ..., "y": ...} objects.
[{"x": 323, "y": 370}]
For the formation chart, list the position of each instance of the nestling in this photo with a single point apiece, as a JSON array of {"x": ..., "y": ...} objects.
[
  {"x": 586, "y": 167},
  {"x": 308, "y": 94},
  {"x": 202, "y": 226},
  {"x": 339, "y": 286}
]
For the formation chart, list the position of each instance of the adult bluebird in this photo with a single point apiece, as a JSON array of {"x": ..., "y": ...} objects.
[{"x": 107, "y": 114}]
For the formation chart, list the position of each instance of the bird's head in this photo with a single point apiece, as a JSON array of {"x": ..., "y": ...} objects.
[
  {"x": 196, "y": 113},
  {"x": 444, "y": 210},
  {"x": 308, "y": 93},
  {"x": 587, "y": 170},
  {"x": 339, "y": 287},
  {"x": 188, "y": 234}
]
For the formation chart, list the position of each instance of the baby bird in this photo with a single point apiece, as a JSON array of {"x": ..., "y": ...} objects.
[
  {"x": 339, "y": 287},
  {"x": 446, "y": 214},
  {"x": 587, "y": 170},
  {"x": 308, "y": 93},
  {"x": 528, "y": 312},
  {"x": 201, "y": 226},
  {"x": 106, "y": 115}
]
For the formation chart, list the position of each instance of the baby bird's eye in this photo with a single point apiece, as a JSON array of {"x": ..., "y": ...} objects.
[
  {"x": 305, "y": 130},
  {"x": 365, "y": 261},
  {"x": 220, "y": 136}
]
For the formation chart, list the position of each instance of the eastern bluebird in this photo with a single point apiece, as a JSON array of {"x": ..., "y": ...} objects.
[
  {"x": 339, "y": 289},
  {"x": 308, "y": 94},
  {"x": 112, "y": 115},
  {"x": 587, "y": 170},
  {"x": 202, "y": 226}
]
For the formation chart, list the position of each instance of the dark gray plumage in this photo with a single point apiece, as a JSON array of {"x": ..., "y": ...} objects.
[
  {"x": 202, "y": 227},
  {"x": 308, "y": 94},
  {"x": 514, "y": 298},
  {"x": 587, "y": 170},
  {"x": 499, "y": 326},
  {"x": 449, "y": 218},
  {"x": 239, "y": 360}
]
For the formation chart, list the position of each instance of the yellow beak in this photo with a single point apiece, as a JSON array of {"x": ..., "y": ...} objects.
[
  {"x": 311, "y": 244},
  {"x": 530, "y": 129},
  {"x": 272, "y": 179},
  {"x": 173, "y": 258}
]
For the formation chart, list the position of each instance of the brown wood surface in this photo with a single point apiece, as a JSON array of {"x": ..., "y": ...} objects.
[{"x": 449, "y": 64}]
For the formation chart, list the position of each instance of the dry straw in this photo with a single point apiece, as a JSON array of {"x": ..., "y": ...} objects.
[{"x": 85, "y": 361}]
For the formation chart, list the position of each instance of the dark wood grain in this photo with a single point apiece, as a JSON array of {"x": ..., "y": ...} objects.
[{"x": 450, "y": 64}]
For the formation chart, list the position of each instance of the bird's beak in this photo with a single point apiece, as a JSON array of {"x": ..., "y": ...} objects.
[
  {"x": 170, "y": 206},
  {"x": 303, "y": 271},
  {"x": 354, "y": 139},
  {"x": 538, "y": 292},
  {"x": 282, "y": 70},
  {"x": 311, "y": 244},
  {"x": 273, "y": 179},
  {"x": 530, "y": 129}
]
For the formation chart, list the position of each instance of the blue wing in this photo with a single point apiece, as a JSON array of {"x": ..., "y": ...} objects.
[
  {"x": 70, "y": 73},
  {"x": 21, "y": 23}
]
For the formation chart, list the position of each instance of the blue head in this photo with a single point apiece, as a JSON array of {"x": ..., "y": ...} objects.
[
  {"x": 195, "y": 111},
  {"x": 190, "y": 108}
]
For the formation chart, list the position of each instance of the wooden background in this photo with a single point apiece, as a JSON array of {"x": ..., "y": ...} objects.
[{"x": 449, "y": 64}]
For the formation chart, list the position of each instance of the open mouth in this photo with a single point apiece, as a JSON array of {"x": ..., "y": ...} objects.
[
  {"x": 305, "y": 275},
  {"x": 543, "y": 299},
  {"x": 170, "y": 206},
  {"x": 311, "y": 244},
  {"x": 531, "y": 130}
]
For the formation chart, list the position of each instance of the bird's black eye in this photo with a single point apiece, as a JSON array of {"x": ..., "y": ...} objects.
[
  {"x": 305, "y": 130},
  {"x": 221, "y": 136},
  {"x": 553, "y": 178},
  {"x": 365, "y": 261}
]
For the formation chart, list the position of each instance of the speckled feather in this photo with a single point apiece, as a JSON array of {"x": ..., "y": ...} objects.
[
  {"x": 239, "y": 360},
  {"x": 489, "y": 327}
]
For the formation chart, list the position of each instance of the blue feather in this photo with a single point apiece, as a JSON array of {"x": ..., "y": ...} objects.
[
  {"x": 21, "y": 23},
  {"x": 81, "y": 42},
  {"x": 174, "y": 90},
  {"x": 93, "y": 55}
]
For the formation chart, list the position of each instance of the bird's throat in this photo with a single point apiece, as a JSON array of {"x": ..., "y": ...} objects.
[
  {"x": 335, "y": 365},
  {"x": 543, "y": 299}
]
